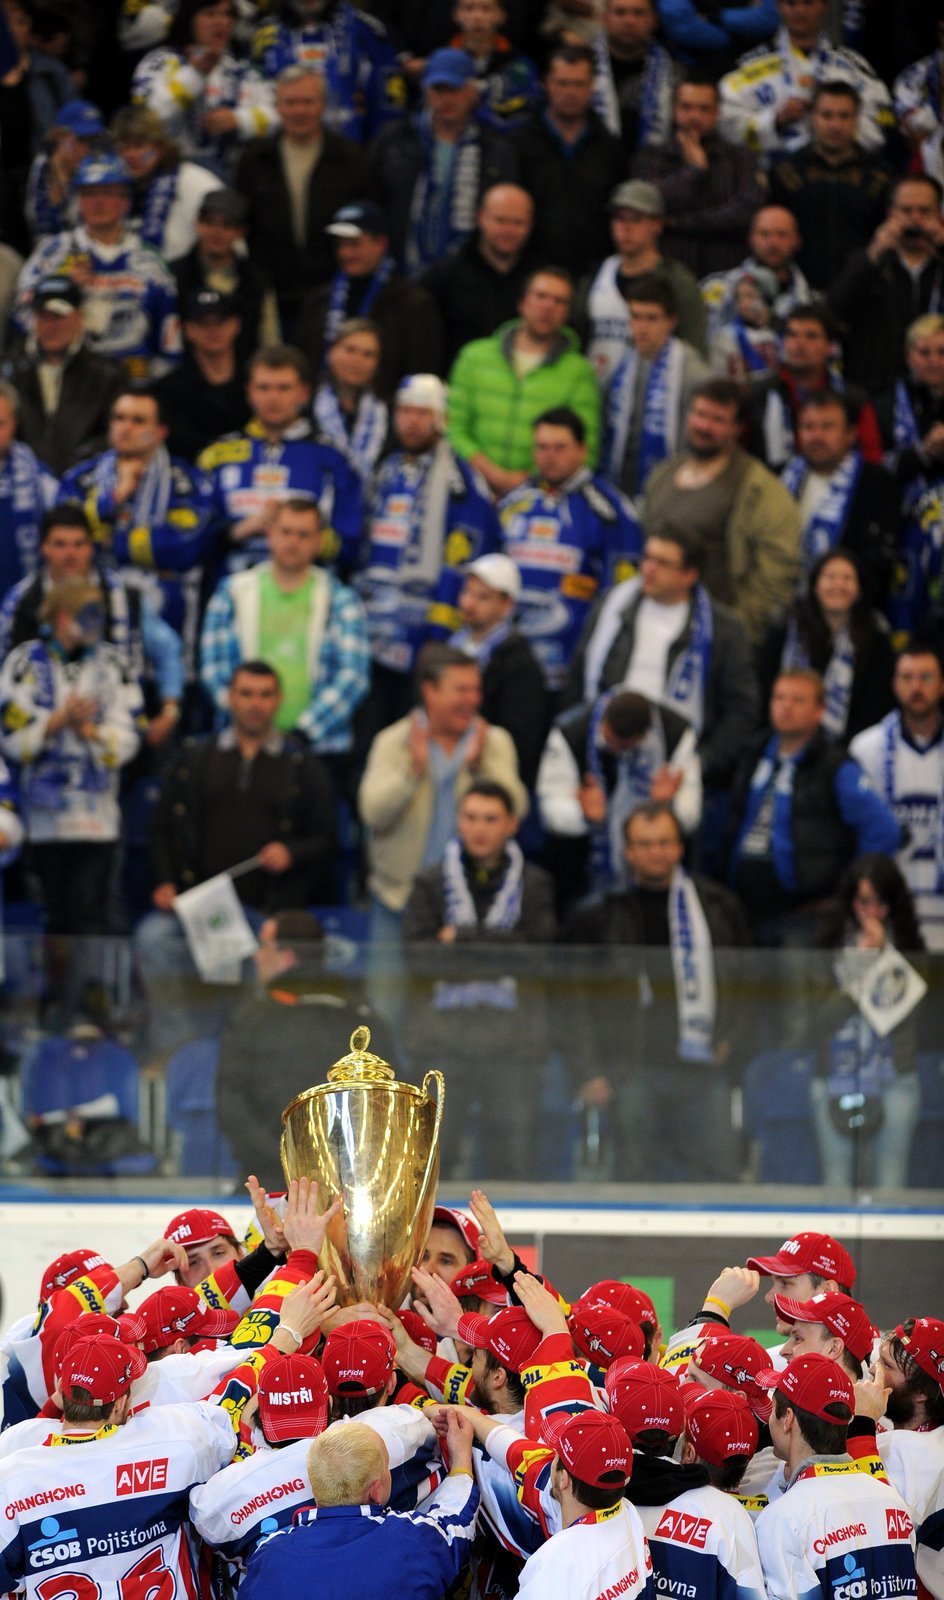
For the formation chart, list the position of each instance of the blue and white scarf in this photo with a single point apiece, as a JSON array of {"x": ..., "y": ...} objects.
[
  {"x": 481, "y": 650},
  {"x": 341, "y": 293},
  {"x": 771, "y": 768},
  {"x": 823, "y": 531},
  {"x": 504, "y": 913},
  {"x": 151, "y": 502},
  {"x": 696, "y": 995},
  {"x": 660, "y": 418},
  {"x": 633, "y": 787},
  {"x": 684, "y": 688},
  {"x": 26, "y": 490},
  {"x": 362, "y": 446},
  {"x": 860, "y": 1062},
  {"x": 752, "y": 357},
  {"x": 66, "y": 763},
  {"x": 654, "y": 123},
  {"x": 837, "y": 679},
  {"x": 155, "y": 208},
  {"x": 442, "y": 215}
]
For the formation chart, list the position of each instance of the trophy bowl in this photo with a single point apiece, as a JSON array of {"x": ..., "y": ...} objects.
[{"x": 373, "y": 1140}]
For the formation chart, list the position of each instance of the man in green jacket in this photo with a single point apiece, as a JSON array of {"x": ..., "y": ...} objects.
[{"x": 499, "y": 386}]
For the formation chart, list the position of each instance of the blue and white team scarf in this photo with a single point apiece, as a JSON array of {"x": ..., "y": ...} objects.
[
  {"x": 837, "y": 679},
  {"x": 341, "y": 292},
  {"x": 633, "y": 787},
  {"x": 693, "y": 965},
  {"x": 442, "y": 214},
  {"x": 750, "y": 355},
  {"x": 781, "y": 772},
  {"x": 504, "y": 913},
  {"x": 659, "y": 432},
  {"x": 481, "y": 650},
  {"x": 823, "y": 531},
  {"x": 684, "y": 688},
  {"x": 151, "y": 502},
  {"x": 27, "y": 489},
  {"x": 654, "y": 126},
  {"x": 155, "y": 209},
  {"x": 362, "y": 446}
]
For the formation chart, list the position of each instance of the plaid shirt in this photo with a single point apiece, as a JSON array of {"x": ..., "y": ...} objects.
[{"x": 342, "y": 678}]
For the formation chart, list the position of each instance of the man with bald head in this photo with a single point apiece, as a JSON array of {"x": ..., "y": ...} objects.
[
  {"x": 479, "y": 286},
  {"x": 774, "y": 241}
]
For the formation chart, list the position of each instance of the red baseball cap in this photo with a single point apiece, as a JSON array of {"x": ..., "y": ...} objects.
[
  {"x": 509, "y": 1334},
  {"x": 293, "y": 1399},
  {"x": 180, "y": 1313},
  {"x": 812, "y": 1383},
  {"x": 595, "y": 1449},
  {"x": 808, "y": 1252},
  {"x": 73, "y": 1264},
  {"x": 452, "y": 1217},
  {"x": 104, "y": 1367},
  {"x": 97, "y": 1325},
  {"x": 479, "y": 1279},
  {"x": 358, "y": 1357},
  {"x": 634, "y": 1303},
  {"x": 842, "y": 1315},
  {"x": 197, "y": 1226},
  {"x": 420, "y": 1332},
  {"x": 735, "y": 1360},
  {"x": 644, "y": 1396},
  {"x": 925, "y": 1344},
  {"x": 719, "y": 1423},
  {"x": 602, "y": 1334}
]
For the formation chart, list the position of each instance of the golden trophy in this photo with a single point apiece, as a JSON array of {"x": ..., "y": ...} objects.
[{"x": 374, "y": 1141}]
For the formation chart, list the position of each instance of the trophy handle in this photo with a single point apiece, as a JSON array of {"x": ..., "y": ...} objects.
[{"x": 437, "y": 1078}]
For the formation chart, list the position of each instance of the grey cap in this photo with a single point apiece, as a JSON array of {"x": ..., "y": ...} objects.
[{"x": 636, "y": 195}]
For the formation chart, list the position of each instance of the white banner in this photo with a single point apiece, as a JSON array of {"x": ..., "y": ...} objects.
[{"x": 217, "y": 932}]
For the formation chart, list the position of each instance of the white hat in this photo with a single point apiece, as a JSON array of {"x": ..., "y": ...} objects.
[
  {"x": 423, "y": 389},
  {"x": 497, "y": 572}
]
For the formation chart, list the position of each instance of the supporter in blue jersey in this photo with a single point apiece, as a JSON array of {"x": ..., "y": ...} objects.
[{"x": 350, "y": 48}]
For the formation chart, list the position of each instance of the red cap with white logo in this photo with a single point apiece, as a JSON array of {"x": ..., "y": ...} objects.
[
  {"x": 197, "y": 1226},
  {"x": 719, "y": 1423},
  {"x": 595, "y": 1449},
  {"x": 645, "y": 1397},
  {"x": 102, "y": 1368},
  {"x": 73, "y": 1264},
  {"x": 180, "y": 1313},
  {"x": 602, "y": 1334},
  {"x": 129, "y": 1328},
  {"x": 358, "y": 1357},
  {"x": 808, "y": 1252},
  {"x": 634, "y": 1303},
  {"x": 812, "y": 1383},
  {"x": 293, "y": 1399},
  {"x": 925, "y": 1344},
  {"x": 735, "y": 1359},
  {"x": 842, "y": 1315},
  {"x": 509, "y": 1334}
]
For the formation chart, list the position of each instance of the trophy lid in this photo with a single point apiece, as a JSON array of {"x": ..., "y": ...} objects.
[{"x": 360, "y": 1065}]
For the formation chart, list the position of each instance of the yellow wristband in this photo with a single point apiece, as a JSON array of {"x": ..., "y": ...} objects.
[
  {"x": 461, "y": 1472},
  {"x": 712, "y": 1300}
]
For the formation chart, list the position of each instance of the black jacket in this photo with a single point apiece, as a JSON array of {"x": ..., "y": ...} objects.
[
  {"x": 837, "y": 207},
  {"x": 732, "y": 703},
  {"x": 871, "y": 695},
  {"x": 249, "y": 294},
  {"x": 198, "y": 412},
  {"x": 514, "y": 697},
  {"x": 910, "y": 462},
  {"x": 407, "y": 319},
  {"x": 339, "y": 178},
  {"x": 78, "y": 428},
  {"x": 874, "y": 306},
  {"x": 398, "y": 158},
  {"x": 473, "y": 298},
  {"x": 570, "y": 188},
  {"x": 306, "y": 826}
]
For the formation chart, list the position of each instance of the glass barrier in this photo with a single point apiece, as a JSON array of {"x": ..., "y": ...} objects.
[{"x": 738, "y": 1072}]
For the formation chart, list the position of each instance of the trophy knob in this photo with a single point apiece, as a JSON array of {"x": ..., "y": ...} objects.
[{"x": 360, "y": 1065}]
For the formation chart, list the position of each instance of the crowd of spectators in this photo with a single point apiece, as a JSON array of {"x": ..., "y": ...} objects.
[{"x": 510, "y": 439}]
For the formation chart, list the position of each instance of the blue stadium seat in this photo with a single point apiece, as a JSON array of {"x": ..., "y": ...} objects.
[
  {"x": 778, "y": 1116},
  {"x": 64, "y": 1072},
  {"x": 191, "y": 1111}
]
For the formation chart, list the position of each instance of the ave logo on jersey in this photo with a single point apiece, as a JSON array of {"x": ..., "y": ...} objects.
[
  {"x": 141, "y": 1477},
  {"x": 682, "y": 1529},
  {"x": 898, "y": 1524}
]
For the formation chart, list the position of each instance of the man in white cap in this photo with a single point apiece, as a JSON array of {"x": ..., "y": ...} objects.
[
  {"x": 428, "y": 515},
  {"x": 513, "y": 692}
]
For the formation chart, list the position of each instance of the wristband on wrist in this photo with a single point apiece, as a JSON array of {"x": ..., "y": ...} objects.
[
  {"x": 712, "y": 1300},
  {"x": 144, "y": 1268},
  {"x": 298, "y": 1337}
]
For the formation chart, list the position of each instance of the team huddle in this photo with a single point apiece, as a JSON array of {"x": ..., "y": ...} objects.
[{"x": 237, "y": 1428}]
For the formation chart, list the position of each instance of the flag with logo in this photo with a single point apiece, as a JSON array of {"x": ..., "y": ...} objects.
[{"x": 217, "y": 932}]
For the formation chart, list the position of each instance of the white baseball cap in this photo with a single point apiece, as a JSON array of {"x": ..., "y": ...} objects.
[
  {"x": 498, "y": 572},
  {"x": 423, "y": 389}
]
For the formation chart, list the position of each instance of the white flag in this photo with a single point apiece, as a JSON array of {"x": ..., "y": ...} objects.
[
  {"x": 217, "y": 932},
  {"x": 886, "y": 990}
]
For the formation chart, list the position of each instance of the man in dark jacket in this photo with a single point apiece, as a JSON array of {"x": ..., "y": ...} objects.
[
  {"x": 570, "y": 163},
  {"x": 514, "y": 695},
  {"x": 662, "y": 1059},
  {"x": 428, "y": 213},
  {"x": 218, "y": 263},
  {"x": 66, "y": 392},
  {"x": 463, "y": 923},
  {"x": 479, "y": 286},
  {"x": 801, "y": 811},
  {"x": 294, "y": 184},
  {"x": 245, "y": 793},
  {"x": 366, "y": 283}
]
